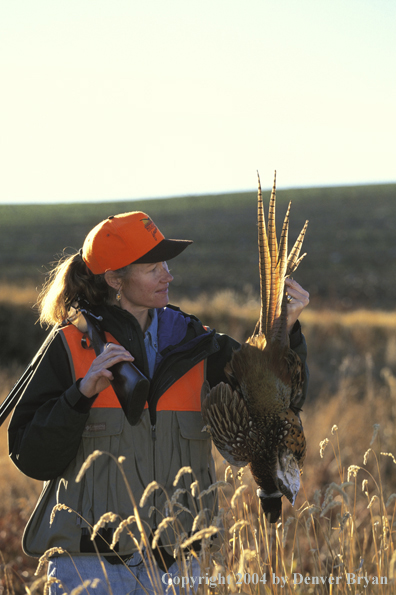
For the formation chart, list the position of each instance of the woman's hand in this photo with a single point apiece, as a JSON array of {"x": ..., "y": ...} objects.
[
  {"x": 298, "y": 300},
  {"x": 99, "y": 376}
]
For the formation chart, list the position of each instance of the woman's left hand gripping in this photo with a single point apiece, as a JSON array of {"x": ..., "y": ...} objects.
[{"x": 298, "y": 299}]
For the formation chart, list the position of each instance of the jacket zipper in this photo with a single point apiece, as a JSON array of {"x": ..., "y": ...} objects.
[
  {"x": 154, "y": 439},
  {"x": 153, "y": 416}
]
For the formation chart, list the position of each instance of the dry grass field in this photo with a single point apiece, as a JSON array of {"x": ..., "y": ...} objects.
[
  {"x": 340, "y": 535},
  {"x": 342, "y": 527}
]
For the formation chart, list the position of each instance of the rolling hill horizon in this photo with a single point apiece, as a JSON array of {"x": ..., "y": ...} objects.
[{"x": 350, "y": 245}]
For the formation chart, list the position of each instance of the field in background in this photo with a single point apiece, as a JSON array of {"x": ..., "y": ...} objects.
[
  {"x": 350, "y": 241},
  {"x": 351, "y": 333}
]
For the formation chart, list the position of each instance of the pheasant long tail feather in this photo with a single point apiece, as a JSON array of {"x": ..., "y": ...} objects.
[
  {"x": 273, "y": 248},
  {"x": 294, "y": 260},
  {"x": 275, "y": 266},
  {"x": 279, "y": 327},
  {"x": 264, "y": 265}
]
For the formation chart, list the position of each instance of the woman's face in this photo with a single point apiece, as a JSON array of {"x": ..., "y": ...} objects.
[{"x": 145, "y": 286}]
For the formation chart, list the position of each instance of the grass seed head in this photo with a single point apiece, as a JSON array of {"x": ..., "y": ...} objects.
[
  {"x": 214, "y": 486},
  {"x": 236, "y": 495},
  {"x": 87, "y": 463},
  {"x": 148, "y": 491},
  {"x": 228, "y": 472},
  {"x": 202, "y": 534},
  {"x": 353, "y": 471},
  {"x": 366, "y": 455},
  {"x": 108, "y": 517},
  {"x": 373, "y": 499},
  {"x": 161, "y": 527},
  {"x": 322, "y": 446},
  {"x": 56, "y": 508},
  {"x": 47, "y": 555},
  {"x": 123, "y": 525},
  {"x": 181, "y": 472},
  {"x": 194, "y": 487}
]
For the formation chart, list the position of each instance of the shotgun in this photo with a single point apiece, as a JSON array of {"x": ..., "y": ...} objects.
[{"x": 129, "y": 384}]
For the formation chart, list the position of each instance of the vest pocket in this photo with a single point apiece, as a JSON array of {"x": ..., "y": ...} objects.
[
  {"x": 196, "y": 446},
  {"x": 196, "y": 452},
  {"x": 191, "y": 425}
]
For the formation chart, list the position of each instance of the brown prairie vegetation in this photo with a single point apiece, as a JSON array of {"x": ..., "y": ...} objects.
[{"x": 349, "y": 420}]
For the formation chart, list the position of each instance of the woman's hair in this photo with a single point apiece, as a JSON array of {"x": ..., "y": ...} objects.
[{"x": 69, "y": 279}]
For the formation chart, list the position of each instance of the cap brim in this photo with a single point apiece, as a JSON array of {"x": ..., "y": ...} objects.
[{"x": 165, "y": 250}]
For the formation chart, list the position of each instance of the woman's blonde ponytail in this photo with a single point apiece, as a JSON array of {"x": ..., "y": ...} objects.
[{"x": 67, "y": 280}]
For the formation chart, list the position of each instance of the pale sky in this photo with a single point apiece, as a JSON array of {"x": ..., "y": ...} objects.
[{"x": 114, "y": 99}]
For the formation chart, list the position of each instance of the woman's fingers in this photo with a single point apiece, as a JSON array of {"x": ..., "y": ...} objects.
[
  {"x": 99, "y": 376},
  {"x": 296, "y": 292},
  {"x": 113, "y": 351},
  {"x": 298, "y": 299}
]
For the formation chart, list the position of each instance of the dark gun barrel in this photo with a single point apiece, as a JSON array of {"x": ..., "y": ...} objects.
[{"x": 129, "y": 384}]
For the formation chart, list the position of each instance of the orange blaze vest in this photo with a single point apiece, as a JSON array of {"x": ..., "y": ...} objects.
[{"x": 183, "y": 395}]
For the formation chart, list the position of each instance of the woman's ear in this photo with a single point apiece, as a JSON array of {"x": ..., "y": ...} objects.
[{"x": 113, "y": 280}]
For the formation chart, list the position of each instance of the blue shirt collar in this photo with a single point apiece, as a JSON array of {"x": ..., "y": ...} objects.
[{"x": 152, "y": 331}]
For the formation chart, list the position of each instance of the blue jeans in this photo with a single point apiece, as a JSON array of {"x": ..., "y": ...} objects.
[{"x": 134, "y": 577}]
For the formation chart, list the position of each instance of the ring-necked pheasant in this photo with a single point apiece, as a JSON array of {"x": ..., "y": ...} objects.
[{"x": 251, "y": 418}]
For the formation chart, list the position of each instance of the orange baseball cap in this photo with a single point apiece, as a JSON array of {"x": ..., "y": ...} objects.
[{"x": 127, "y": 238}]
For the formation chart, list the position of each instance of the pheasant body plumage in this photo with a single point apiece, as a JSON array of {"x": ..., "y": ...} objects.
[{"x": 252, "y": 417}]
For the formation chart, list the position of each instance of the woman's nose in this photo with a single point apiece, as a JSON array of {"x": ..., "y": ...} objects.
[{"x": 166, "y": 274}]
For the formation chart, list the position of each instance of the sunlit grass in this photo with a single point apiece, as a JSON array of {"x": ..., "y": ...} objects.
[
  {"x": 246, "y": 308},
  {"x": 342, "y": 528},
  {"x": 228, "y": 303},
  {"x": 343, "y": 522}
]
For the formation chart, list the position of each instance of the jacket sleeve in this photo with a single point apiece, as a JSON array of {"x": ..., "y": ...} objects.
[
  {"x": 299, "y": 346},
  {"x": 217, "y": 361},
  {"x": 46, "y": 427}
]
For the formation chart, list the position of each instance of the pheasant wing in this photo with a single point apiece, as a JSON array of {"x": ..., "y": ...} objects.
[{"x": 228, "y": 421}]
